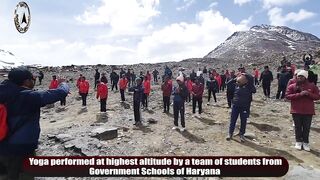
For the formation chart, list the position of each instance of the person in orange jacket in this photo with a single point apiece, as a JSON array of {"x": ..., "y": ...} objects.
[
  {"x": 188, "y": 84},
  {"x": 84, "y": 90},
  {"x": 102, "y": 93},
  {"x": 123, "y": 84},
  {"x": 146, "y": 93},
  {"x": 54, "y": 83}
]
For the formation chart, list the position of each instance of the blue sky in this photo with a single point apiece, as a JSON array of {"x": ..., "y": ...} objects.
[{"x": 141, "y": 31}]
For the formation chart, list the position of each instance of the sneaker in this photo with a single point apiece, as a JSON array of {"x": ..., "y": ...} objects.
[
  {"x": 248, "y": 121},
  {"x": 306, "y": 147},
  {"x": 242, "y": 138},
  {"x": 229, "y": 137},
  {"x": 175, "y": 127},
  {"x": 182, "y": 129},
  {"x": 293, "y": 124},
  {"x": 298, "y": 145}
]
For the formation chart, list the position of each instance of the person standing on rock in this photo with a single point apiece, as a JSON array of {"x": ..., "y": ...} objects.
[
  {"x": 212, "y": 86},
  {"x": 302, "y": 96},
  {"x": 180, "y": 93},
  {"x": 146, "y": 93},
  {"x": 84, "y": 90},
  {"x": 102, "y": 93},
  {"x": 41, "y": 76},
  {"x": 241, "y": 105},
  {"x": 166, "y": 88},
  {"x": 283, "y": 79},
  {"x": 96, "y": 78},
  {"x": 123, "y": 84},
  {"x": 155, "y": 74},
  {"x": 231, "y": 87},
  {"x": 23, "y": 115},
  {"x": 137, "y": 98},
  {"x": 266, "y": 78},
  {"x": 197, "y": 94}
]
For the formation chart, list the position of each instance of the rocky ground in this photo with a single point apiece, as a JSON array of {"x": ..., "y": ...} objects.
[{"x": 66, "y": 132}]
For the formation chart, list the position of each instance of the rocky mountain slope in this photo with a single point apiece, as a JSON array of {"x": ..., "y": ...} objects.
[{"x": 265, "y": 42}]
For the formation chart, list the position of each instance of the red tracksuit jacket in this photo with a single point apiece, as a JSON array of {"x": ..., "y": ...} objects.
[
  {"x": 84, "y": 87},
  {"x": 147, "y": 87},
  {"x": 54, "y": 84},
  {"x": 102, "y": 91}
]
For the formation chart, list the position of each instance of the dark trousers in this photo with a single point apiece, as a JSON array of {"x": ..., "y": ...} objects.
[
  {"x": 63, "y": 102},
  {"x": 137, "y": 111},
  {"x": 155, "y": 78},
  {"x": 114, "y": 85},
  {"x": 122, "y": 95},
  {"x": 214, "y": 95},
  {"x": 196, "y": 100},
  {"x": 40, "y": 81},
  {"x": 256, "y": 81},
  {"x": 223, "y": 86},
  {"x": 103, "y": 105},
  {"x": 266, "y": 89},
  {"x": 145, "y": 100},
  {"x": 188, "y": 99},
  {"x": 130, "y": 82},
  {"x": 84, "y": 98},
  {"x": 178, "y": 107},
  {"x": 302, "y": 127},
  {"x": 230, "y": 95},
  {"x": 95, "y": 83},
  {"x": 282, "y": 90},
  {"x": 234, "y": 117},
  {"x": 166, "y": 103},
  {"x": 11, "y": 168}
]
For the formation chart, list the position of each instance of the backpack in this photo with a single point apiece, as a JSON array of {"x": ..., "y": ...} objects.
[{"x": 3, "y": 122}]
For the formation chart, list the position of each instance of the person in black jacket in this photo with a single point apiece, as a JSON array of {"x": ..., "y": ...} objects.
[
  {"x": 231, "y": 87},
  {"x": 193, "y": 75},
  {"x": 213, "y": 87},
  {"x": 241, "y": 105},
  {"x": 114, "y": 78},
  {"x": 96, "y": 78},
  {"x": 138, "y": 91},
  {"x": 155, "y": 74},
  {"x": 266, "y": 77},
  {"x": 23, "y": 115},
  {"x": 283, "y": 79},
  {"x": 128, "y": 76},
  {"x": 180, "y": 93},
  {"x": 41, "y": 76},
  {"x": 223, "y": 81}
]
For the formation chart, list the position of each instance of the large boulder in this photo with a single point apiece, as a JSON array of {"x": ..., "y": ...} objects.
[{"x": 104, "y": 133}]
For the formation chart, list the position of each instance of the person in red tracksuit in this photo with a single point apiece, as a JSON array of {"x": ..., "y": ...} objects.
[
  {"x": 148, "y": 76},
  {"x": 54, "y": 83},
  {"x": 147, "y": 90},
  {"x": 123, "y": 84},
  {"x": 84, "y": 90},
  {"x": 302, "y": 95},
  {"x": 79, "y": 80},
  {"x": 102, "y": 93},
  {"x": 166, "y": 88},
  {"x": 197, "y": 94},
  {"x": 219, "y": 80},
  {"x": 188, "y": 84}
]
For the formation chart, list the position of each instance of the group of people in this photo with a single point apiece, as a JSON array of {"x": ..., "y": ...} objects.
[{"x": 23, "y": 104}]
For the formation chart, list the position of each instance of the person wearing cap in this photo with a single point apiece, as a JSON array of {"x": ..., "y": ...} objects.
[
  {"x": 197, "y": 94},
  {"x": 166, "y": 88},
  {"x": 302, "y": 95},
  {"x": 23, "y": 115},
  {"x": 266, "y": 78},
  {"x": 138, "y": 91},
  {"x": 123, "y": 84},
  {"x": 241, "y": 105},
  {"x": 180, "y": 93}
]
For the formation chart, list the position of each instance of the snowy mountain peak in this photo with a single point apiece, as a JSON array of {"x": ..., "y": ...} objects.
[{"x": 8, "y": 60}]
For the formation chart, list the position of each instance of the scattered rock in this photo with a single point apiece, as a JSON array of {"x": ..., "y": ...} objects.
[
  {"x": 63, "y": 137},
  {"x": 84, "y": 146},
  {"x": 250, "y": 136},
  {"x": 299, "y": 172},
  {"x": 102, "y": 117},
  {"x": 103, "y": 133},
  {"x": 152, "y": 121},
  {"x": 50, "y": 106},
  {"x": 126, "y": 105}
]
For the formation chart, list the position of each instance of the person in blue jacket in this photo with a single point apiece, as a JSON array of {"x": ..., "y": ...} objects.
[
  {"x": 23, "y": 114},
  {"x": 241, "y": 105},
  {"x": 138, "y": 91}
]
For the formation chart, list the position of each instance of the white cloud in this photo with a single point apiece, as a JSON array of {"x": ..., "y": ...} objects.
[
  {"x": 182, "y": 40},
  {"x": 241, "y": 2},
  {"x": 125, "y": 17},
  {"x": 187, "y": 4},
  {"x": 213, "y": 4},
  {"x": 272, "y": 3},
  {"x": 276, "y": 16}
]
